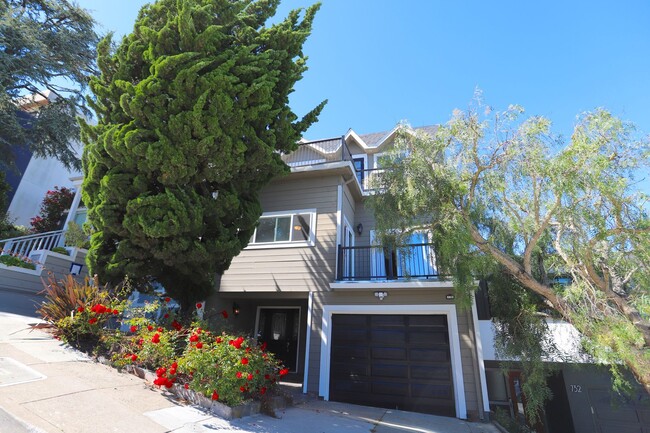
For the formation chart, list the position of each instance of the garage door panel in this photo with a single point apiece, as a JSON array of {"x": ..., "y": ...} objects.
[
  {"x": 403, "y": 362},
  {"x": 432, "y": 391},
  {"x": 343, "y": 353},
  {"x": 428, "y": 336},
  {"x": 388, "y": 353},
  {"x": 390, "y": 388},
  {"x": 437, "y": 320},
  {"x": 429, "y": 372},
  {"x": 350, "y": 369},
  {"x": 379, "y": 369},
  {"x": 389, "y": 337},
  {"x": 434, "y": 354},
  {"x": 351, "y": 336},
  {"x": 387, "y": 320}
]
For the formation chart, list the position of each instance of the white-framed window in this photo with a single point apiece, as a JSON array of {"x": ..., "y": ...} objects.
[{"x": 287, "y": 228}]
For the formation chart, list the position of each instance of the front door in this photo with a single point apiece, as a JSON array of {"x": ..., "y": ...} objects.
[{"x": 279, "y": 329}]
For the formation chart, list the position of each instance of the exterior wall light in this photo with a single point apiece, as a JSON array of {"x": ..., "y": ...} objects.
[
  {"x": 381, "y": 295},
  {"x": 359, "y": 229},
  {"x": 235, "y": 309}
]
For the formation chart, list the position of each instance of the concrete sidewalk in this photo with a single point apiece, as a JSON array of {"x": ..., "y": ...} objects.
[{"x": 47, "y": 387}]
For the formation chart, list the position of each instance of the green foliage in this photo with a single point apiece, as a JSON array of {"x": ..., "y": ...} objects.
[
  {"x": 193, "y": 114},
  {"x": 235, "y": 368},
  {"x": 522, "y": 334},
  {"x": 60, "y": 250},
  {"x": 75, "y": 236},
  {"x": 18, "y": 261},
  {"x": 65, "y": 296},
  {"x": 511, "y": 425},
  {"x": 42, "y": 42},
  {"x": 497, "y": 190},
  {"x": 56, "y": 201}
]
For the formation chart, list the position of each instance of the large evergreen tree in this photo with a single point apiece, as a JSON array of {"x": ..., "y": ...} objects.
[
  {"x": 193, "y": 114},
  {"x": 565, "y": 221},
  {"x": 47, "y": 49}
]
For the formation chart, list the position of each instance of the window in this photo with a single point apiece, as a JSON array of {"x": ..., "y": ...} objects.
[
  {"x": 287, "y": 228},
  {"x": 360, "y": 167}
]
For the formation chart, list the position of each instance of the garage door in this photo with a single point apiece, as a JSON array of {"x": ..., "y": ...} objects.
[
  {"x": 616, "y": 414},
  {"x": 392, "y": 361}
]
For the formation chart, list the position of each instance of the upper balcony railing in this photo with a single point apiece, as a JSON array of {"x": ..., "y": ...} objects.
[
  {"x": 376, "y": 263},
  {"x": 318, "y": 152}
]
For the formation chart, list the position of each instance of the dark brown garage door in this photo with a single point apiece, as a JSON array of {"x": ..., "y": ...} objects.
[{"x": 392, "y": 361}]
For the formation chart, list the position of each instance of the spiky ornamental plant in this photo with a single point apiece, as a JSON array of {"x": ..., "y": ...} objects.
[{"x": 193, "y": 114}]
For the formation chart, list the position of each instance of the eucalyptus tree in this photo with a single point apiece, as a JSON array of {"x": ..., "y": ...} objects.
[
  {"x": 192, "y": 116},
  {"x": 565, "y": 220}
]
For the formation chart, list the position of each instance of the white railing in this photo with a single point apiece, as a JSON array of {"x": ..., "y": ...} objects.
[{"x": 24, "y": 245}]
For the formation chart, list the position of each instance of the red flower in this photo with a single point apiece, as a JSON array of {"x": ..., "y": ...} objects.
[
  {"x": 219, "y": 340},
  {"x": 177, "y": 326},
  {"x": 224, "y": 313},
  {"x": 263, "y": 346},
  {"x": 186, "y": 386},
  {"x": 194, "y": 338},
  {"x": 92, "y": 320},
  {"x": 159, "y": 329},
  {"x": 141, "y": 342},
  {"x": 134, "y": 357},
  {"x": 249, "y": 377},
  {"x": 239, "y": 375},
  {"x": 242, "y": 388},
  {"x": 80, "y": 309},
  {"x": 133, "y": 328},
  {"x": 215, "y": 396},
  {"x": 161, "y": 371},
  {"x": 166, "y": 316},
  {"x": 115, "y": 312},
  {"x": 248, "y": 350},
  {"x": 174, "y": 365},
  {"x": 199, "y": 345},
  {"x": 198, "y": 305},
  {"x": 267, "y": 376},
  {"x": 150, "y": 328},
  {"x": 160, "y": 381},
  {"x": 244, "y": 361},
  {"x": 169, "y": 383},
  {"x": 167, "y": 299},
  {"x": 263, "y": 390},
  {"x": 156, "y": 339},
  {"x": 284, "y": 372},
  {"x": 237, "y": 343}
]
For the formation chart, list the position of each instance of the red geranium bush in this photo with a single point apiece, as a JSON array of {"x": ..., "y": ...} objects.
[{"x": 223, "y": 367}]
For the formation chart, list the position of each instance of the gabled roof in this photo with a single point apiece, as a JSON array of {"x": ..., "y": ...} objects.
[{"x": 376, "y": 140}]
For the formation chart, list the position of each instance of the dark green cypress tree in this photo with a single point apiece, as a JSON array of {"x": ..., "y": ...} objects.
[{"x": 193, "y": 113}]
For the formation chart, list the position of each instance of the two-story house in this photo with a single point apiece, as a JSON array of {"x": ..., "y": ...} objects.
[{"x": 356, "y": 322}]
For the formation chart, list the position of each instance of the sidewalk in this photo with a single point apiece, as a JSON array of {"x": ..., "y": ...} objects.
[{"x": 46, "y": 387}]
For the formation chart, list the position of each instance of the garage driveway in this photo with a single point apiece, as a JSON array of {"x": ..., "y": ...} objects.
[{"x": 317, "y": 416}]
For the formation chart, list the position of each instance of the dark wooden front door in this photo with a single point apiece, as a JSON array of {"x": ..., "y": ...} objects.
[
  {"x": 392, "y": 361},
  {"x": 279, "y": 329}
]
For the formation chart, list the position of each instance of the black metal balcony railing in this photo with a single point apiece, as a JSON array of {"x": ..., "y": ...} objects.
[{"x": 374, "y": 263}]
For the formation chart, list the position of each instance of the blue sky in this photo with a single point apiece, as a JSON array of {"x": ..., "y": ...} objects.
[{"x": 382, "y": 61}]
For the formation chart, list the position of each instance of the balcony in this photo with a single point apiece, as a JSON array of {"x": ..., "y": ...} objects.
[{"x": 378, "y": 263}]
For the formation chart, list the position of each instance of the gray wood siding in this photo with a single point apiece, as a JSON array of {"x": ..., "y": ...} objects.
[
  {"x": 299, "y": 269},
  {"x": 365, "y": 216},
  {"x": 396, "y": 297}
]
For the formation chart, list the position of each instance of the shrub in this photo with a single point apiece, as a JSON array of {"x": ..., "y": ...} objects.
[
  {"x": 75, "y": 236},
  {"x": 14, "y": 260},
  {"x": 56, "y": 202},
  {"x": 60, "y": 250},
  {"x": 228, "y": 368}
]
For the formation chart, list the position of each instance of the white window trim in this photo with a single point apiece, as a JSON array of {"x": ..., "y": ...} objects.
[
  {"x": 375, "y": 159},
  {"x": 289, "y": 244},
  {"x": 454, "y": 342}
]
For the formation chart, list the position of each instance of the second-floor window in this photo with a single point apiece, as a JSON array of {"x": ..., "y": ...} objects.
[{"x": 285, "y": 228}]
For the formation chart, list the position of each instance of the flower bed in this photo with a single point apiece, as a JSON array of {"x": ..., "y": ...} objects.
[{"x": 230, "y": 375}]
